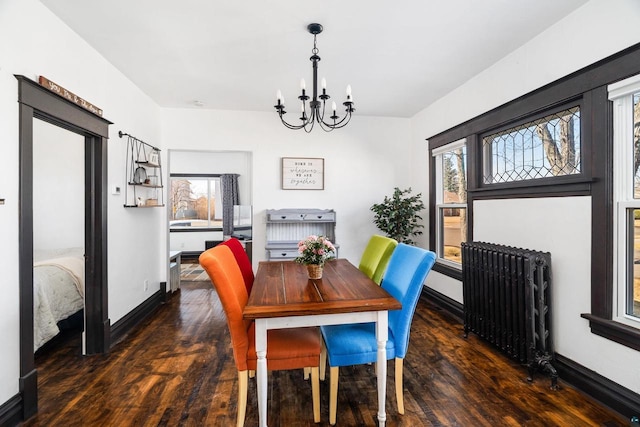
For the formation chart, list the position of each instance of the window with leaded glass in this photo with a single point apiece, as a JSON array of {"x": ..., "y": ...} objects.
[{"x": 545, "y": 147}]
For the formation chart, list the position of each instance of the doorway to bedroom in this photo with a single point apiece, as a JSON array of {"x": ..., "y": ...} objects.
[{"x": 58, "y": 236}]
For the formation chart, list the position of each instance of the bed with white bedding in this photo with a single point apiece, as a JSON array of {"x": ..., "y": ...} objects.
[{"x": 58, "y": 290}]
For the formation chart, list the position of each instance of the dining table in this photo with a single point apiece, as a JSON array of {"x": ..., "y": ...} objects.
[{"x": 283, "y": 296}]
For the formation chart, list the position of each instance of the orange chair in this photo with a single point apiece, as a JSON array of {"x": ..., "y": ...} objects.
[
  {"x": 286, "y": 348},
  {"x": 243, "y": 261}
]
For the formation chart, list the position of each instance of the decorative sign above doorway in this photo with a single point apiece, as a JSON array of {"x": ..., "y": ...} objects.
[{"x": 68, "y": 95}]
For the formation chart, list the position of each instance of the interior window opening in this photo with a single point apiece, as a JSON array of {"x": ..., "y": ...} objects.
[{"x": 196, "y": 202}]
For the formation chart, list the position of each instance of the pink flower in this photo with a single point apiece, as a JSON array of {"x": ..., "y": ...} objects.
[{"x": 315, "y": 250}]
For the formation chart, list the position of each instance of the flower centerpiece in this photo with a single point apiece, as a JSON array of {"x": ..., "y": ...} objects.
[{"x": 314, "y": 252}]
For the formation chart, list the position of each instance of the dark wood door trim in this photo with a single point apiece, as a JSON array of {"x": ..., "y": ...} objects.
[{"x": 37, "y": 102}]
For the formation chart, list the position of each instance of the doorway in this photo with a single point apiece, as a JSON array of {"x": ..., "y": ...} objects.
[
  {"x": 35, "y": 102},
  {"x": 58, "y": 236}
]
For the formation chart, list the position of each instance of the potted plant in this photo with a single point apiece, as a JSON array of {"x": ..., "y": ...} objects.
[
  {"x": 314, "y": 252},
  {"x": 398, "y": 216}
]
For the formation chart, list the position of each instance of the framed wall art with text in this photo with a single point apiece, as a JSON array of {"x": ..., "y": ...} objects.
[{"x": 302, "y": 173}]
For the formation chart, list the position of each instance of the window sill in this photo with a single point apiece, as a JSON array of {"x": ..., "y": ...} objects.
[
  {"x": 614, "y": 331},
  {"x": 548, "y": 187},
  {"x": 447, "y": 270},
  {"x": 193, "y": 229}
]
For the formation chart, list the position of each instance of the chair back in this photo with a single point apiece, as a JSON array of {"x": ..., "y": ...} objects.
[
  {"x": 243, "y": 261},
  {"x": 223, "y": 270},
  {"x": 404, "y": 278},
  {"x": 376, "y": 256}
]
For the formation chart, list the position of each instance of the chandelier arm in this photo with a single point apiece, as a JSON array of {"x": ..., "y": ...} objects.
[
  {"x": 290, "y": 126},
  {"x": 341, "y": 123},
  {"x": 307, "y": 123},
  {"x": 320, "y": 119},
  {"x": 323, "y": 125},
  {"x": 310, "y": 128}
]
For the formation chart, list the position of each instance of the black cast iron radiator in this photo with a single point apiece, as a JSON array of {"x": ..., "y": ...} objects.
[{"x": 506, "y": 302}]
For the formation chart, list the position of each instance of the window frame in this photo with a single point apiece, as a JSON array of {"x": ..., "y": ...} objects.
[
  {"x": 438, "y": 162},
  {"x": 621, "y": 95}
]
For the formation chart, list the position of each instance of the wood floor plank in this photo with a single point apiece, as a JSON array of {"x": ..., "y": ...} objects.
[{"x": 177, "y": 369}]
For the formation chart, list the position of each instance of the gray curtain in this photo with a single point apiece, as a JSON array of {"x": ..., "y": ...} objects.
[{"x": 230, "y": 197}]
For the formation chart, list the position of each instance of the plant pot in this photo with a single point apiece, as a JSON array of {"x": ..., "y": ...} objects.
[{"x": 315, "y": 271}]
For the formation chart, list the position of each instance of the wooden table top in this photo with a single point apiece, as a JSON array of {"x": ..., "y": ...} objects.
[{"x": 282, "y": 288}]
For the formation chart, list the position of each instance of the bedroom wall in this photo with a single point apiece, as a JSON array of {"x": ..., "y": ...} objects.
[
  {"x": 362, "y": 164},
  {"x": 35, "y": 42},
  {"x": 58, "y": 187},
  {"x": 600, "y": 28}
]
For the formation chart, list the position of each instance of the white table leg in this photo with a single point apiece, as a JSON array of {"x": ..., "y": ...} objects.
[
  {"x": 261, "y": 370},
  {"x": 382, "y": 332}
]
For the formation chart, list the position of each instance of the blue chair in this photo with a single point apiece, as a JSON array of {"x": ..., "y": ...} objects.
[
  {"x": 376, "y": 256},
  {"x": 355, "y": 344}
]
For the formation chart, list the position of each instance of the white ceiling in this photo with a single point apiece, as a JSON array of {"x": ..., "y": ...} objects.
[{"x": 399, "y": 56}]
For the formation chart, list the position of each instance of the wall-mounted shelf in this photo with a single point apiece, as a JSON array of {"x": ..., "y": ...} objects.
[{"x": 144, "y": 175}]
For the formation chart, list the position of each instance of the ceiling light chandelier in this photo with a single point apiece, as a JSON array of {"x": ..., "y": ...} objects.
[{"x": 315, "y": 111}]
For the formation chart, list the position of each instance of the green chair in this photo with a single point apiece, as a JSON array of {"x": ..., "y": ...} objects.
[{"x": 376, "y": 257}]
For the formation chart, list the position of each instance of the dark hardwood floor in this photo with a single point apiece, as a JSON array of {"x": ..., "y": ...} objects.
[{"x": 177, "y": 369}]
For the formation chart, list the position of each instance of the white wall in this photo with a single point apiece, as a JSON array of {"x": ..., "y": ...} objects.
[
  {"x": 193, "y": 241},
  {"x": 362, "y": 164},
  {"x": 35, "y": 42},
  {"x": 600, "y": 28},
  {"x": 216, "y": 162},
  {"x": 556, "y": 225}
]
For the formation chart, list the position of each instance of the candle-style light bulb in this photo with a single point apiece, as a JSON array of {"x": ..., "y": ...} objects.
[
  {"x": 323, "y": 83},
  {"x": 279, "y": 97},
  {"x": 303, "y": 85},
  {"x": 349, "y": 97},
  {"x": 334, "y": 107}
]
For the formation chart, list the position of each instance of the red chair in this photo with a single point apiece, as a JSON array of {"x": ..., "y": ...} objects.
[{"x": 243, "y": 261}]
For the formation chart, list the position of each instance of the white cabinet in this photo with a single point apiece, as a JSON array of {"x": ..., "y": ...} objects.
[
  {"x": 175, "y": 259},
  {"x": 286, "y": 227}
]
